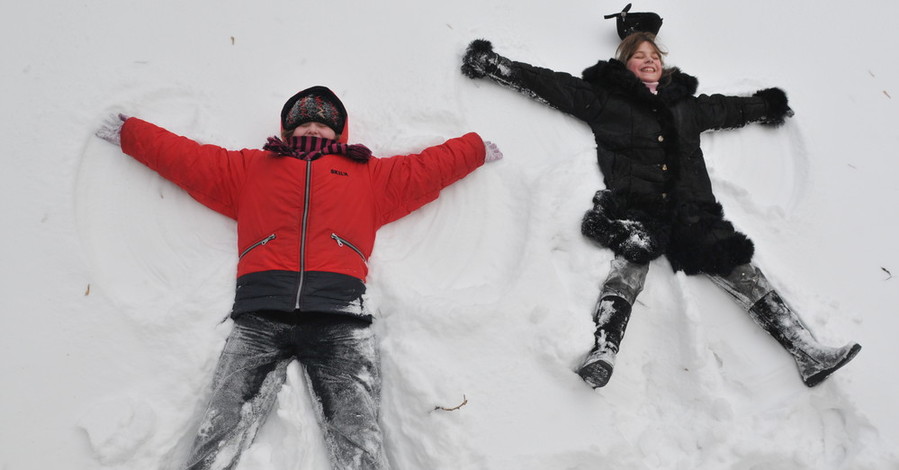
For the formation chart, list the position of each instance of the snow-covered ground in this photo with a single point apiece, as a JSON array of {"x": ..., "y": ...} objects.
[{"x": 116, "y": 282}]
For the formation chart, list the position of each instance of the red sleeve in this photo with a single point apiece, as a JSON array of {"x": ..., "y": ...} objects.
[
  {"x": 404, "y": 183},
  {"x": 212, "y": 175}
]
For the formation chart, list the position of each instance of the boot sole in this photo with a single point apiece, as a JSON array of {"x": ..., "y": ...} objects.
[
  {"x": 596, "y": 374},
  {"x": 820, "y": 376}
]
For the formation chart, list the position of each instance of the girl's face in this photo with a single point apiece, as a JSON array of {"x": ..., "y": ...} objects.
[
  {"x": 314, "y": 129},
  {"x": 646, "y": 63}
]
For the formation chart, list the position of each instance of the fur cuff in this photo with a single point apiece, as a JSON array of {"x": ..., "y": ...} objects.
[
  {"x": 777, "y": 108},
  {"x": 474, "y": 63},
  {"x": 480, "y": 45}
]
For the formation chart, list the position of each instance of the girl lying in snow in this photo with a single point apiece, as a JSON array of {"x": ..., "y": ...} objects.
[{"x": 658, "y": 199}]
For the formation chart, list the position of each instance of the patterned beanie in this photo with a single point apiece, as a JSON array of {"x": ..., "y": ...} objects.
[{"x": 316, "y": 104}]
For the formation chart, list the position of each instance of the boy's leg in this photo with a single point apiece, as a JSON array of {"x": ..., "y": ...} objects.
[
  {"x": 341, "y": 360},
  {"x": 249, "y": 373}
]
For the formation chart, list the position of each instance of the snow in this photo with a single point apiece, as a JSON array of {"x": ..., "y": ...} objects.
[{"x": 117, "y": 282}]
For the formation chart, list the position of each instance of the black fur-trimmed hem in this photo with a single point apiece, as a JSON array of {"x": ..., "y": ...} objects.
[
  {"x": 719, "y": 258},
  {"x": 708, "y": 245},
  {"x": 636, "y": 238}
]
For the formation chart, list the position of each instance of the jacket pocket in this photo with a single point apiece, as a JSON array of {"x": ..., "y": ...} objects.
[
  {"x": 343, "y": 242},
  {"x": 257, "y": 245}
]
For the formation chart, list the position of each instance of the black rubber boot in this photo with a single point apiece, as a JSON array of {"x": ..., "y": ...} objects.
[
  {"x": 611, "y": 316},
  {"x": 814, "y": 360}
]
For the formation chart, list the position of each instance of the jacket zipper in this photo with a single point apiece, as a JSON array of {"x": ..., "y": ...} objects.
[
  {"x": 303, "y": 230},
  {"x": 257, "y": 244},
  {"x": 341, "y": 242}
]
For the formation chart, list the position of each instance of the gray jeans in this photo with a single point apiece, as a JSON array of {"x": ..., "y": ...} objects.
[
  {"x": 746, "y": 284},
  {"x": 342, "y": 365},
  {"x": 625, "y": 280}
]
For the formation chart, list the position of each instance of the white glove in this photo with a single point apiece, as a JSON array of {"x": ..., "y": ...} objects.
[
  {"x": 111, "y": 129},
  {"x": 493, "y": 152}
]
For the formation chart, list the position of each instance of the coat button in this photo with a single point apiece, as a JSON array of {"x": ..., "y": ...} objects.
[
  {"x": 664, "y": 167},
  {"x": 661, "y": 138},
  {"x": 664, "y": 195}
]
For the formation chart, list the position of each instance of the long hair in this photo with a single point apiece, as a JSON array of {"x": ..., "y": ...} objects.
[{"x": 632, "y": 42}]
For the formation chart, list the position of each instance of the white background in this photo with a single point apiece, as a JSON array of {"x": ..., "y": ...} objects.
[{"x": 116, "y": 282}]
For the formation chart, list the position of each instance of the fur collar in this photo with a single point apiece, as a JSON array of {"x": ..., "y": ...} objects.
[{"x": 614, "y": 75}]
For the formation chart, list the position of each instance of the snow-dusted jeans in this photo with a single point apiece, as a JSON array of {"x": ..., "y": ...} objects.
[
  {"x": 340, "y": 358},
  {"x": 625, "y": 280},
  {"x": 746, "y": 284}
]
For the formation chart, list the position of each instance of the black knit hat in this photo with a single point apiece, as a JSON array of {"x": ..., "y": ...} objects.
[
  {"x": 316, "y": 104},
  {"x": 635, "y": 22}
]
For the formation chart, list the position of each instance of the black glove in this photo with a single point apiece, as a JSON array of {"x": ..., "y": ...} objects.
[
  {"x": 776, "y": 102},
  {"x": 480, "y": 60}
]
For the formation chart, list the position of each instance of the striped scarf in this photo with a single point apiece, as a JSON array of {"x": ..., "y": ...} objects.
[{"x": 310, "y": 148}]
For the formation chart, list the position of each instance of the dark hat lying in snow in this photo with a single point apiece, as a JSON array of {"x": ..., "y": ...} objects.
[
  {"x": 635, "y": 22},
  {"x": 316, "y": 104}
]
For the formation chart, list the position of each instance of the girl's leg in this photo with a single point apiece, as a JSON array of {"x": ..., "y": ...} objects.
[
  {"x": 754, "y": 293},
  {"x": 612, "y": 312}
]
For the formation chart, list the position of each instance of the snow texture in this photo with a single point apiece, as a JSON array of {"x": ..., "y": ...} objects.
[{"x": 117, "y": 282}]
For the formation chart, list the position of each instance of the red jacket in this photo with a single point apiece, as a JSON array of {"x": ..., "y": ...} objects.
[{"x": 305, "y": 229}]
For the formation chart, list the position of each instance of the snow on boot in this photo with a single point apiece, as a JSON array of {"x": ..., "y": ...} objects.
[
  {"x": 612, "y": 314},
  {"x": 815, "y": 361}
]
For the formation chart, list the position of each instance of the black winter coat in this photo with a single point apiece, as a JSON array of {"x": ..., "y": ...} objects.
[{"x": 658, "y": 197}]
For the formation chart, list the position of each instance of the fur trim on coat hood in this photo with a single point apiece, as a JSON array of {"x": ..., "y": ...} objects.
[{"x": 673, "y": 86}]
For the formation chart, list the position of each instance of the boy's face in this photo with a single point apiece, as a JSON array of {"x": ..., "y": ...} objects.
[{"x": 314, "y": 129}]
